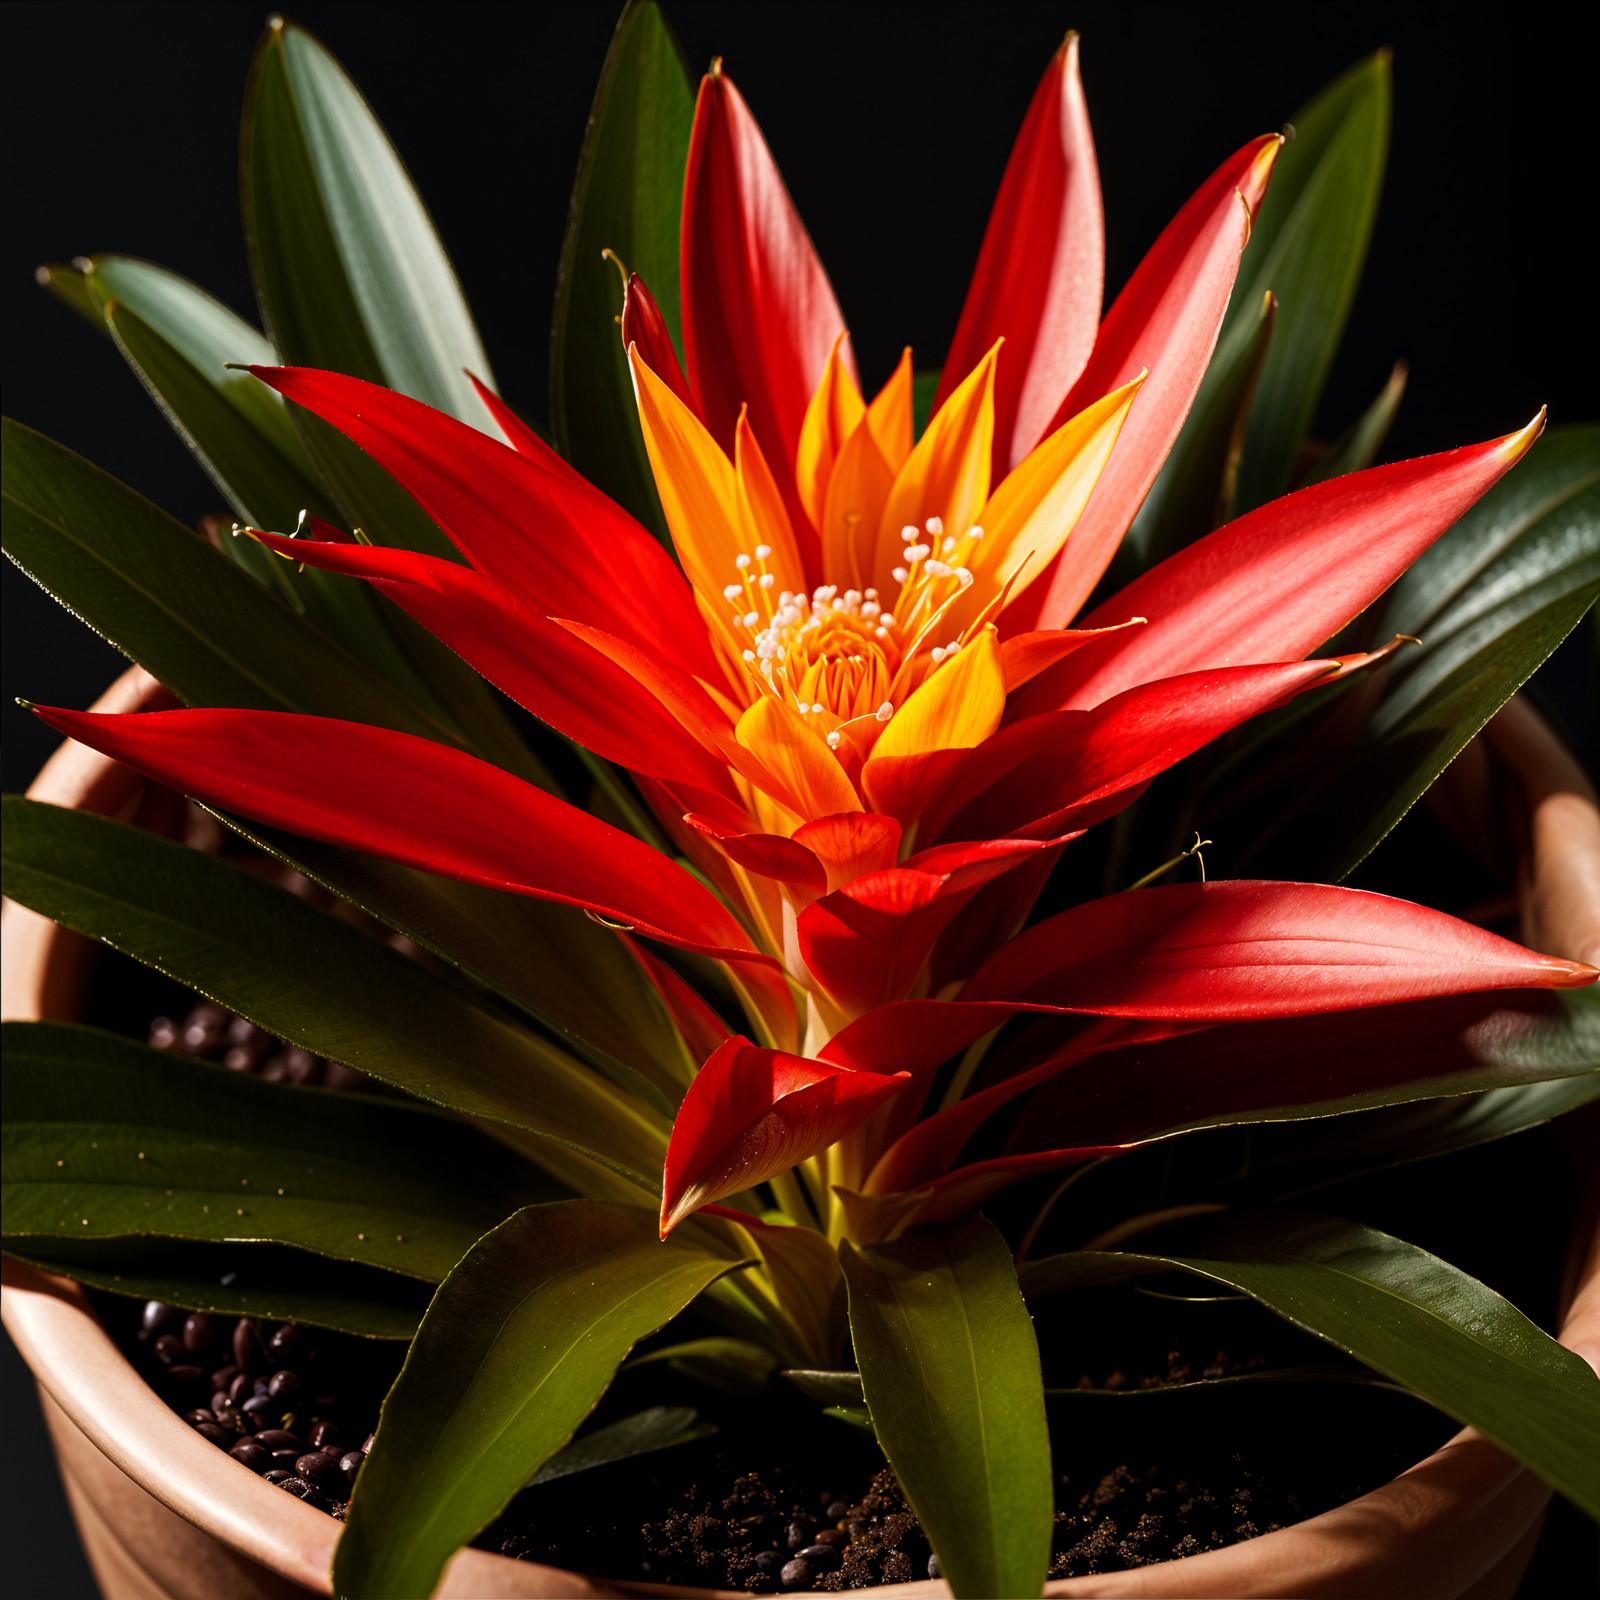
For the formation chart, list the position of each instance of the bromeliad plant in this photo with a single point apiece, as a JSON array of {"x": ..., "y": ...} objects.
[{"x": 848, "y": 677}]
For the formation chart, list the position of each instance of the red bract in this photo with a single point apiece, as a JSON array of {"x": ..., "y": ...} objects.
[{"x": 855, "y": 707}]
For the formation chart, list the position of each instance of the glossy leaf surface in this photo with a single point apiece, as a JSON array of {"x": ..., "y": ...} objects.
[
  {"x": 628, "y": 199},
  {"x": 350, "y": 271},
  {"x": 104, "y": 1137},
  {"x": 238, "y": 1280},
  {"x": 1413, "y": 1317},
  {"x": 520, "y": 1342},
  {"x": 167, "y": 599},
  {"x": 1308, "y": 247},
  {"x": 950, "y": 1368},
  {"x": 575, "y": 976},
  {"x": 312, "y": 980},
  {"x": 658, "y": 1428},
  {"x": 1490, "y": 601}
]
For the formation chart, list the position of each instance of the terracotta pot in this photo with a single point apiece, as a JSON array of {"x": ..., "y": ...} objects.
[{"x": 166, "y": 1516}]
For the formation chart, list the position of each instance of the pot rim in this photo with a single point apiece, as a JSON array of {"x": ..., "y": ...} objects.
[{"x": 1460, "y": 1523}]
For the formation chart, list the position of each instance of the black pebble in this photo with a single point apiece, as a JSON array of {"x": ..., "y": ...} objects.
[
  {"x": 278, "y": 1475},
  {"x": 277, "y": 1439},
  {"x": 838, "y": 1511},
  {"x": 308, "y": 1492},
  {"x": 768, "y": 1560},
  {"x": 160, "y": 1317},
  {"x": 199, "y": 1415},
  {"x": 798, "y": 1534},
  {"x": 241, "y": 1389},
  {"x": 288, "y": 1342},
  {"x": 797, "y": 1574},
  {"x": 217, "y": 1434},
  {"x": 821, "y": 1556},
  {"x": 187, "y": 1380},
  {"x": 284, "y": 1386},
  {"x": 198, "y": 1329},
  {"x": 260, "y": 1407},
  {"x": 169, "y": 1348},
  {"x": 321, "y": 1433},
  {"x": 350, "y": 1465},
  {"x": 934, "y": 1569},
  {"x": 244, "y": 1344},
  {"x": 321, "y": 1470},
  {"x": 252, "y": 1455},
  {"x": 832, "y": 1537},
  {"x": 163, "y": 1033}
]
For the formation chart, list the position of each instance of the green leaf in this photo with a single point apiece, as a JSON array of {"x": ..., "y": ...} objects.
[
  {"x": 1358, "y": 446},
  {"x": 576, "y": 977},
  {"x": 1192, "y": 493},
  {"x": 238, "y": 1280},
  {"x": 1290, "y": 1159},
  {"x": 644, "y": 1432},
  {"x": 67, "y": 284},
  {"x": 1308, "y": 247},
  {"x": 831, "y": 1388},
  {"x": 734, "y": 1366},
  {"x": 351, "y": 274},
  {"x": 314, "y": 981},
  {"x": 164, "y": 597},
  {"x": 104, "y": 1137},
  {"x": 950, "y": 1368},
  {"x": 1412, "y": 1317},
  {"x": 1497, "y": 594},
  {"x": 924, "y": 386},
  {"x": 627, "y": 198},
  {"x": 519, "y": 1343}
]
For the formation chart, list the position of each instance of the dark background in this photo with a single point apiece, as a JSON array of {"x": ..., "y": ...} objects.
[{"x": 891, "y": 122}]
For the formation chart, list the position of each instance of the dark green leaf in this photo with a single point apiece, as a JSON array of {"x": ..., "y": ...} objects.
[
  {"x": 577, "y": 977},
  {"x": 164, "y": 597},
  {"x": 104, "y": 1137},
  {"x": 1357, "y": 448},
  {"x": 1308, "y": 247},
  {"x": 1191, "y": 495},
  {"x": 519, "y": 1343},
  {"x": 68, "y": 286},
  {"x": 659, "y": 1428},
  {"x": 239, "y": 1280},
  {"x": 1479, "y": 648},
  {"x": 313, "y": 980},
  {"x": 832, "y": 1388},
  {"x": 950, "y": 1369},
  {"x": 734, "y": 1366},
  {"x": 627, "y": 198},
  {"x": 351, "y": 273},
  {"x": 1409, "y": 1315},
  {"x": 924, "y": 386}
]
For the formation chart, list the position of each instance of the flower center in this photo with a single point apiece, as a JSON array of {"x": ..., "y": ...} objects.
[{"x": 844, "y": 656}]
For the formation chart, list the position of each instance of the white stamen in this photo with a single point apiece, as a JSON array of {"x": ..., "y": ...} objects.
[
  {"x": 962, "y": 576},
  {"x": 909, "y": 535},
  {"x": 884, "y": 712},
  {"x": 887, "y": 619},
  {"x": 733, "y": 591},
  {"x": 751, "y": 618},
  {"x": 763, "y": 551},
  {"x": 766, "y": 580},
  {"x": 951, "y": 648},
  {"x": 852, "y": 598},
  {"x": 934, "y": 525},
  {"x": 880, "y": 633},
  {"x": 974, "y": 533},
  {"x": 767, "y": 647},
  {"x": 749, "y": 655},
  {"x": 916, "y": 552},
  {"x": 817, "y": 710},
  {"x": 871, "y": 594},
  {"x": 834, "y": 741},
  {"x": 949, "y": 544},
  {"x": 936, "y": 569},
  {"x": 870, "y": 610},
  {"x": 900, "y": 574},
  {"x": 742, "y": 562},
  {"x": 937, "y": 654},
  {"x": 824, "y": 593}
]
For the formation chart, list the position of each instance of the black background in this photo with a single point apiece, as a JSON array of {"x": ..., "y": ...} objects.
[{"x": 891, "y": 123}]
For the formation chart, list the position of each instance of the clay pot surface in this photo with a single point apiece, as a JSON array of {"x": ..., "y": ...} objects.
[{"x": 164, "y": 1515}]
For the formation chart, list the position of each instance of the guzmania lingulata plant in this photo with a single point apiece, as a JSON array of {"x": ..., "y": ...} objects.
[{"x": 850, "y": 678}]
